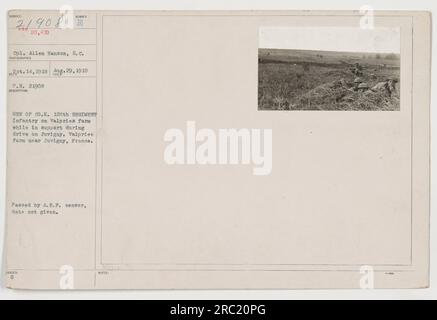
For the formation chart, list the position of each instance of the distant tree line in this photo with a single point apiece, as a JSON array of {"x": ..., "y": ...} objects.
[{"x": 379, "y": 56}]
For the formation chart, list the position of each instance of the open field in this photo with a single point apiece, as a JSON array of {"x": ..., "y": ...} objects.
[{"x": 321, "y": 80}]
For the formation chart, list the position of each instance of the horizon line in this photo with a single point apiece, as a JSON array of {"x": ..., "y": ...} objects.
[{"x": 318, "y": 50}]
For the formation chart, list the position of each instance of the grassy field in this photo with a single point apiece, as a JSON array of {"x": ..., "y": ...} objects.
[{"x": 318, "y": 80}]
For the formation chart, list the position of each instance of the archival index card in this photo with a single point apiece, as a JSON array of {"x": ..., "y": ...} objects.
[{"x": 218, "y": 150}]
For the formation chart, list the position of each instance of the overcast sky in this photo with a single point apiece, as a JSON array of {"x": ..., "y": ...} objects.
[{"x": 380, "y": 40}]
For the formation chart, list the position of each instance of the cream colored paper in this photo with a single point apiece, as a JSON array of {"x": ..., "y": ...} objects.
[{"x": 92, "y": 204}]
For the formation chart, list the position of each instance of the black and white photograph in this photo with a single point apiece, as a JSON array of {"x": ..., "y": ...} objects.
[
  {"x": 340, "y": 69},
  {"x": 149, "y": 151}
]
